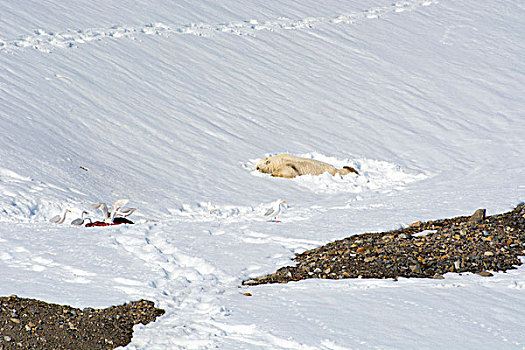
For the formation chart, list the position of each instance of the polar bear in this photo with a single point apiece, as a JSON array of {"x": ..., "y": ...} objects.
[{"x": 288, "y": 166}]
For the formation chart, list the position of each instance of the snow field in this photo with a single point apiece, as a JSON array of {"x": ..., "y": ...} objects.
[
  {"x": 44, "y": 41},
  {"x": 422, "y": 97},
  {"x": 28, "y": 200}
]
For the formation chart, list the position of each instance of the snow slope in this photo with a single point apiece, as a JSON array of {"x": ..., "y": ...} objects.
[{"x": 170, "y": 104}]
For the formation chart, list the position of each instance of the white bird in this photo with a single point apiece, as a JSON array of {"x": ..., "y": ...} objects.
[
  {"x": 115, "y": 208},
  {"x": 80, "y": 221},
  {"x": 123, "y": 212},
  {"x": 274, "y": 210},
  {"x": 103, "y": 208},
  {"x": 58, "y": 219},
  {"x": 117, "y": 205},
  {"x": 109, "y": 215}
]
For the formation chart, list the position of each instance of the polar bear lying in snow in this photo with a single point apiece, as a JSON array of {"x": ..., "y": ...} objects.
[{"x": 288, "y": 166}]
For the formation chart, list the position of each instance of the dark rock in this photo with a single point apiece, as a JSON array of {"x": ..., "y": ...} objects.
[
  {"x": 478, "y": 216},
  {"x": 484, "y": 274}
]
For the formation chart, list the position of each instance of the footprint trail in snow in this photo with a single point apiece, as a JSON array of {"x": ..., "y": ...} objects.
[{"x": 45, "y": 41}]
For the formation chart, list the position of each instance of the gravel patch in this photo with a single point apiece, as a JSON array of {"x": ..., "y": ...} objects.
[
  {"x": 475, "y": 243},
  {"x": 34, "y": 324}
]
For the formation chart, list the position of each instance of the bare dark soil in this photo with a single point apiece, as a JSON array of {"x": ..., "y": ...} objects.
[
  {"x": 34, "y": 324},
  {"x": 476, "y": 244}
]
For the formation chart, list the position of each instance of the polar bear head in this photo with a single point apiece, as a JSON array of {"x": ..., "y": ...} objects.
[
  {"x": 269, "y": 165},
  {"x": 264, "y": 165}
]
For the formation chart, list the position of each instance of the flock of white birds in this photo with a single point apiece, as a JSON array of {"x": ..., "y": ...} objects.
[{"x": 118, "y": 210}]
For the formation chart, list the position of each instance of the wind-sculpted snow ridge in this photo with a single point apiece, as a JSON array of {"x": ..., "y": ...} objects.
[
  {"x": 46, "y": 41},
  {"x": 24, "y": 199},
  {"x": 20, "y": 198},
  {"x": 374, "y": 175}
]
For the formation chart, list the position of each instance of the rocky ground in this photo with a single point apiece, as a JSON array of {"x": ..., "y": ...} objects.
[
  {"x": 34, "y": 324},
  {"x": 430, "y": 249}
]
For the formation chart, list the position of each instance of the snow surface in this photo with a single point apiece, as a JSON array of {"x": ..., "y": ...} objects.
[{"x": 171, "y": 103}]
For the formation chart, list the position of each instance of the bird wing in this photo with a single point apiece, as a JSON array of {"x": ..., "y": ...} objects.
[
  {"x": 123, "y": 212},
  {"x": 77, "y": 222},
  {"x": 269, "y": 212},
  {"x": 118, "y": 204},
  {"x": 103, "y": 207}
]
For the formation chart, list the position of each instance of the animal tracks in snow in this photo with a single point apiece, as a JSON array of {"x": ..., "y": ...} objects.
[
  {"x": 46, "y": 41},
  {"x": 178, "y": 281}
]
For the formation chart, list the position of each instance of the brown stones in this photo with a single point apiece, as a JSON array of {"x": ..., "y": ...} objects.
[{"x": 39, "y": 325}]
